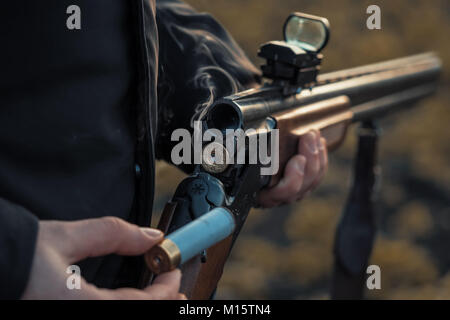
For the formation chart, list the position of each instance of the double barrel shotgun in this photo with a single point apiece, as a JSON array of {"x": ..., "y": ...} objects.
[{"x": 209, "y": 208}]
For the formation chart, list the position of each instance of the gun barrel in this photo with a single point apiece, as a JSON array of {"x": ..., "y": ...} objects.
[
  {"x": 362, "y": 85},
  {"x": 382, "y": 106}
]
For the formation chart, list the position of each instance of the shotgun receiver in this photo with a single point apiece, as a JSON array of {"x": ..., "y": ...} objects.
[{"x": 209, "y": 208}]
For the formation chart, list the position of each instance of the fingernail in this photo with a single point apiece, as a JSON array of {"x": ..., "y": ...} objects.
[
  {"x": 300, "y": 166},
  {"x": 322, "y": 144},
  {"x": 311, "y": 143},
  {"x": 318, "y": 142},
  {"x": 154, "y": 233}
]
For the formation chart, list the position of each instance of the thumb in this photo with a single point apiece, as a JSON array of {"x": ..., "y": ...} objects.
[{"x": 102, "y": 236}]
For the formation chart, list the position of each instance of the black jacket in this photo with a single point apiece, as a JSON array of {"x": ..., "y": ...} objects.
[{"x": 79, "y": 115}]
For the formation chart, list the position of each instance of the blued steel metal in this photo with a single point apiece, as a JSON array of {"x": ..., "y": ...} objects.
[{"x": 361, "y": 85}]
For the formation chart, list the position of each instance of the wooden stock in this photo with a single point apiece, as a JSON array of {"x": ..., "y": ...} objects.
[
  {"x": 166, "y": 216},
  {"x": 331, "y": 117},
  {"x": 200, "y": 279}
]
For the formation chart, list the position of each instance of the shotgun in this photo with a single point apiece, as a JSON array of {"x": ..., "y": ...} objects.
[{"x": 209, "y": 208}]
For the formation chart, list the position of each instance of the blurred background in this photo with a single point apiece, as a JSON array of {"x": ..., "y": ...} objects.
[{"x": 286, "y": 253}]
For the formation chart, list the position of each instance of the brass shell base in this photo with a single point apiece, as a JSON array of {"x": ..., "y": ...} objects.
[{"x": 163, "y": 257}]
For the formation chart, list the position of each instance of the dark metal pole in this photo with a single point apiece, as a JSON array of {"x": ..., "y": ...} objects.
[{"x": 356, "y": 231}]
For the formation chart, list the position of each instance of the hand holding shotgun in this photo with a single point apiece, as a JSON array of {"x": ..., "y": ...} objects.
[{"x": 297, "y": 113}]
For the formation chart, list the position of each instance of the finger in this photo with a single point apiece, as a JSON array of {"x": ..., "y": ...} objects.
[
  {"x": 171, "y": 279},
  {"x": 323, "y": 151},
  {"x": 323, "y": 157},
  {"x": 166, "y": 286},
  {"x": 288, "y": 187},
  {"x": 308, "y": 147},
  {"x": 99, "y": 237},
  {"x": 123, "y": 294}
]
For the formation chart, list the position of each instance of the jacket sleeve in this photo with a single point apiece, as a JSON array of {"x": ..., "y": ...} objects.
[
  {"x": 18, "y": 232},
  {"x": 198, "y": 62}
]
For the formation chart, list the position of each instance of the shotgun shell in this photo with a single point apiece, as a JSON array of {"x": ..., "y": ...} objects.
[
  {"x": 163, "y": 257},
  {"x": 190, "y": 240}
]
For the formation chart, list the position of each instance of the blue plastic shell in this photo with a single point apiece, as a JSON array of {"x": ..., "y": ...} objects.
[{"x": 203, "y": 233}]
